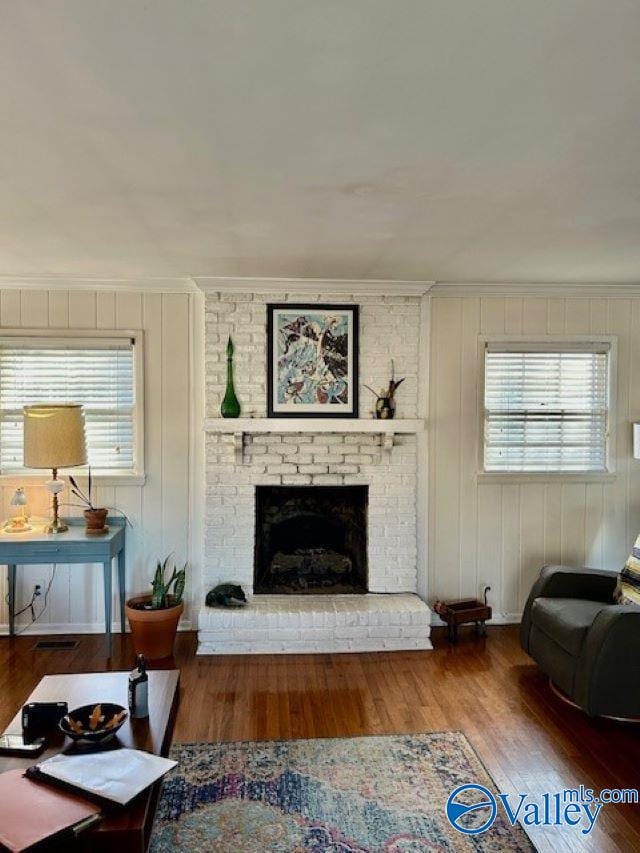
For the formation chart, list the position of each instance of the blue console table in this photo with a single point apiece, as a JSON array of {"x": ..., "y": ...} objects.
[{"x": 73, "y": 546}]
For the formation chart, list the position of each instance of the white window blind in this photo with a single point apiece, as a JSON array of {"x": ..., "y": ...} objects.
[
  {"x": 546, "y": 409},
  {"x": 99, "y": 374}
]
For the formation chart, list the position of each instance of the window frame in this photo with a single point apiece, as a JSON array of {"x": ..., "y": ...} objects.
[
  {"x": 608, "y": 475},
  {"x": 135, "y": 476}
]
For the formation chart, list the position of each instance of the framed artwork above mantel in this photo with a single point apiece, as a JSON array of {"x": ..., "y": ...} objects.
[{"x": 312, "y": 361}]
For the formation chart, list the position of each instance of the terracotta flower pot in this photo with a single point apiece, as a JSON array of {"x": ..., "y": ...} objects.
[
  {"x": 153, "y": 631},
  {"x": 94, "y": 520}
]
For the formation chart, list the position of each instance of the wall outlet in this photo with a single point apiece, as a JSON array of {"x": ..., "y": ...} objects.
[{"x": 39, "y": 587}]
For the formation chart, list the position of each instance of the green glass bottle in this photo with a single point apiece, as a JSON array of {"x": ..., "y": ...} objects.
[{"x": 230, "y": 407}]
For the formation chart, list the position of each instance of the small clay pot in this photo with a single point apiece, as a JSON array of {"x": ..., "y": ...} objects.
[
  {"x": 95, "y": 521},
  {"x": 153, "y": 631}
]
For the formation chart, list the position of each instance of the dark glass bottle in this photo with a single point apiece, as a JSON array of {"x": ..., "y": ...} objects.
[
  {"x": 139, "y": 690},
  {"x": 230, "y": 407}
]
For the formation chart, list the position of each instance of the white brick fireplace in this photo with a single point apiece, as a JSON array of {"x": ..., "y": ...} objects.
[{"x": 255, "y": 451}]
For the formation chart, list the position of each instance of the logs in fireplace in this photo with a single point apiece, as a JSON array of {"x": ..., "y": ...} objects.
[{"x": 311, "y": 539}]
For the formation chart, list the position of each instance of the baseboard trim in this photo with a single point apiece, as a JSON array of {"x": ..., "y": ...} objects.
[
  {"x": 55, "y": 628},
  {"x": 497, "y": 619}
]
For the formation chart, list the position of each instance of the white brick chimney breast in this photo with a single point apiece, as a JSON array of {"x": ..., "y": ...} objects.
[{"x": 391, "y": 616}]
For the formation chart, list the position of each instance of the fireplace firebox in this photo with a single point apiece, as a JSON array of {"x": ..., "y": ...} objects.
[{"x": 311, "y": 539}]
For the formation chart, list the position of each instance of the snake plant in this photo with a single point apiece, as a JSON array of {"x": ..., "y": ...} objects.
[{"x": 160, "y": 589}]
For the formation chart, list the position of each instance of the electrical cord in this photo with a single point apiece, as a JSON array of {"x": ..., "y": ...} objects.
[{"x": 30, "y": 606}]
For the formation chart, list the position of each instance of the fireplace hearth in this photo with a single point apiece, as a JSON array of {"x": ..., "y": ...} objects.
[{"x": 311, "y": 539}]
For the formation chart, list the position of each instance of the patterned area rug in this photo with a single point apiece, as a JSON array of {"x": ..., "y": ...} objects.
[{"x": 328, "y": 796}]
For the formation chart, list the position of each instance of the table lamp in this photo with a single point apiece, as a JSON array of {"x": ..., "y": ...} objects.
[
  {"x": 19, "y": 522},
  {"x": 54, "y": 438}
]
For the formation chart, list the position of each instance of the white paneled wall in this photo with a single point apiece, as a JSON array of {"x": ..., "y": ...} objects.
[
  {"x": 159, "y": 510},
  {"x": 503, "y": 532},
  {"x": 497, "y": 532}
]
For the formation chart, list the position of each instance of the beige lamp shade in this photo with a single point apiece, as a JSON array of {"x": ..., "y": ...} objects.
[{"x": 54, "y": 436}]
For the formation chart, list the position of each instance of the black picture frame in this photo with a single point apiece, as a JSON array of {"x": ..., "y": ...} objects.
[{"x": 333, "y": 410}]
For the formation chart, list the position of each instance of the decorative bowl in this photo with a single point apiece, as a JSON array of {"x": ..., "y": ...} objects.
[{"x": 95, "y": 722}]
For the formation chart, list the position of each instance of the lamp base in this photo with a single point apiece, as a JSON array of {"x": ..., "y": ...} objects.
[
  {"x": 55, "y": 486},
  {"x": 11, "y": 527}
]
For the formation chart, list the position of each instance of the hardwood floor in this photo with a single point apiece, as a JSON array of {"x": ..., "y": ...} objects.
[{"x": 489, "y": 689}]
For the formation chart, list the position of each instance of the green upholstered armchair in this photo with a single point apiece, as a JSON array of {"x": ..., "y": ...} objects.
[{"x": 587, "y": 645}]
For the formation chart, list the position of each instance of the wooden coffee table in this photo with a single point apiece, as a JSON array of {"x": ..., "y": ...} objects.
[{"x": 123, "y": 829}]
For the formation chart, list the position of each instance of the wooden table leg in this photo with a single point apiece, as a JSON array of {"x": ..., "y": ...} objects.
[
  {"x": 12, "y": 599},
  {"x": 122, "y": 589},
  {"x": 106, "y": 567}
]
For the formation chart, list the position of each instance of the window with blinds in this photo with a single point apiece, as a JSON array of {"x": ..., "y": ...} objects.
[
  {"x": 546, "y": 409},
  {"x": 99, "y": 374}
]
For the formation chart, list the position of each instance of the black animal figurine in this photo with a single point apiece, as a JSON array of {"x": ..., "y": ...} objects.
[{"x": 226, "y": 595}]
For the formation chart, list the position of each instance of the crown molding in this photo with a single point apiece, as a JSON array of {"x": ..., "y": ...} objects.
[
  {"x": 606, "y": 290},
  {"x": 362, "y": 287},
  {"x": 219, "y": 284},
  {"x": 132, "y": 285}
]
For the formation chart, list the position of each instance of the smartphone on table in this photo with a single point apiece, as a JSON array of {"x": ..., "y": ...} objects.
[{"x": 17, "y": 746}]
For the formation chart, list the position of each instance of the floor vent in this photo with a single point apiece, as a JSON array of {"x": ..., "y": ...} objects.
[{"x": 56, "y": 645}]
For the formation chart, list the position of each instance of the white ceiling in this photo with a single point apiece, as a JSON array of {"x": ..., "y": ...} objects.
[{"x": 484, "y": 140}]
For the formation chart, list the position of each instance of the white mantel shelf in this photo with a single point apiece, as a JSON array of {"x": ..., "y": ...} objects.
[
  {"x": 385, "y": 429},
  {"x": 280, "y": 425}
]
